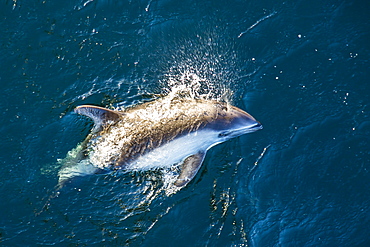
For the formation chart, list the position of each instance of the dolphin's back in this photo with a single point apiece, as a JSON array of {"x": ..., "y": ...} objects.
[{"x": 144, "y": 128}]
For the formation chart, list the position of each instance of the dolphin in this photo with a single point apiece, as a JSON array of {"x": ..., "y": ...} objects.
[{"x": 158, "y": 134}]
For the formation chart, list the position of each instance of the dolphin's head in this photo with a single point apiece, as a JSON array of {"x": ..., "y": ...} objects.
[{"x": 229, "y": 121}]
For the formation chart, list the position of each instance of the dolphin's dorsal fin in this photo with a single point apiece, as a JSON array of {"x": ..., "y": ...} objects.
[
  {"x": 100, "y": 115},
  {"x": 189, "y": 168}
]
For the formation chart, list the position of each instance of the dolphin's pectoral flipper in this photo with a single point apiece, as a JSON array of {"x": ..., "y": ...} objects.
[
  {"x": 100, "y": 115},
  {"x": 189, "y": 168}
]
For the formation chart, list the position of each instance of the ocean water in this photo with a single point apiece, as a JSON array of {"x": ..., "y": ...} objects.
[{"x": 301, "y": 68}]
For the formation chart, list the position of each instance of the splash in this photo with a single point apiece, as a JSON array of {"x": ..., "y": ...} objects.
[
  {"x": 191, "y": 84},
  {"x": 188, "y": 84},
  {"x": 202, "y": 66}
]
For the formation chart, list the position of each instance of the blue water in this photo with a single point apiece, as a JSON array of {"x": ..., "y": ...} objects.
[{"x": 301, "y": 68}]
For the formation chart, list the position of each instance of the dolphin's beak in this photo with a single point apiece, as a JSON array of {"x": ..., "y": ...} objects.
[
  {"x": 257, "y": 126},
  {"x": 241, "y": 123},
  {"x": 245, "y": 120}
]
